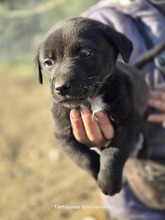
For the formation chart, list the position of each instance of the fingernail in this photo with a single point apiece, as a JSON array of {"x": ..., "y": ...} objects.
[
  {"x": 85, "y": 110},
  {"x": 74, "y": 114},
  {"x": 163, "y": 124},
  {"x": 150, "y": 118},
  {"x": 99, "y": 114}
]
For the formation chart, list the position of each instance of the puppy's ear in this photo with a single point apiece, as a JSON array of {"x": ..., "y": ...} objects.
[
  {"x": 37, "y": 68},
  {"x": 123, "y": 44}
]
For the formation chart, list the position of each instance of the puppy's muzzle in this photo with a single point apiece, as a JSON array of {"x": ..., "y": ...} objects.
[{"x": 63, "y": 88}]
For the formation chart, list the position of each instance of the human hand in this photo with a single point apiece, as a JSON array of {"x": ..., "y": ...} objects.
[
  {"x": 157, "y": 101},
  {"x": 91, "y": 131}
]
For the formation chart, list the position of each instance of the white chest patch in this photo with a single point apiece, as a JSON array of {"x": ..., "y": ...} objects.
[{"x": 97, "y": 104}]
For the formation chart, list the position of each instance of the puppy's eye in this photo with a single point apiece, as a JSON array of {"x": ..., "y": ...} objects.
[
  {"x": 48, "y": 63},
  {"x": 85, "y": 54}
]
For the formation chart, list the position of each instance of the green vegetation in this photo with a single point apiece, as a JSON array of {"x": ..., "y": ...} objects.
[{"x": 23, "y": 25}]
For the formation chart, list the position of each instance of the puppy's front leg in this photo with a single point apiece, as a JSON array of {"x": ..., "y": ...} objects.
[
  {"x": 112, "y": 160},
  {"x": 85, "y": 158}
]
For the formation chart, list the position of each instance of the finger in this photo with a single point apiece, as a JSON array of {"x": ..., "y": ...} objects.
[
  {"x": 160, "y": 86},
  {"x": 157, "y": 95},
  {"x": 157, "y": 118},
  {"x": 105, "y": 125},
  {"x": 159, "y": 105},
  {"x": 91, "y": 127},
  {"x": 78, "y": 127}
]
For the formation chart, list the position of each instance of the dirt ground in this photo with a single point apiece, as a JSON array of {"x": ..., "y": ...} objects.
[{"x": 36, "y": 178}]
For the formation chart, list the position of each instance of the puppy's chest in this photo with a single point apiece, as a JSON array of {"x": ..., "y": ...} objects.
[{"x": 97, "y": 104}]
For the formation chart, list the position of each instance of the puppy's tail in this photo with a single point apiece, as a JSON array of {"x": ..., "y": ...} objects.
[{"x": 149, "y": 55}]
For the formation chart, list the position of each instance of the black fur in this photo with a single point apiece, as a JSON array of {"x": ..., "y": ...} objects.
[{"x": 79, "y": 57}]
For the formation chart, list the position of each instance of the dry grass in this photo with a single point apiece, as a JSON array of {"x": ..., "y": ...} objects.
[{"x": 34, "y": 174}]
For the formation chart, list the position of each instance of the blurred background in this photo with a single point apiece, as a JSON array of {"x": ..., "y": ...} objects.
[{"x": 34, "y": 174}]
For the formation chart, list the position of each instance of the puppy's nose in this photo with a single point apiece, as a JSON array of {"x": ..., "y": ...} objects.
[{"x": 63, "y": 89}]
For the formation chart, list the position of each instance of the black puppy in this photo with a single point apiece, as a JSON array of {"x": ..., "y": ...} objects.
[{"x": 79, "y": 57}]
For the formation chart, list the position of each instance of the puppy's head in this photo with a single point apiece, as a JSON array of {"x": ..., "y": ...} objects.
[{"x": 77, "y": 55}]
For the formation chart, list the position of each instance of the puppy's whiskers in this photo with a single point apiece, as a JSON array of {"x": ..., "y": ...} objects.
[
  {"x": 104, "y": 80},
  {"x": 86, "y": 87},
  {"x": 92, "y": 77}
]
